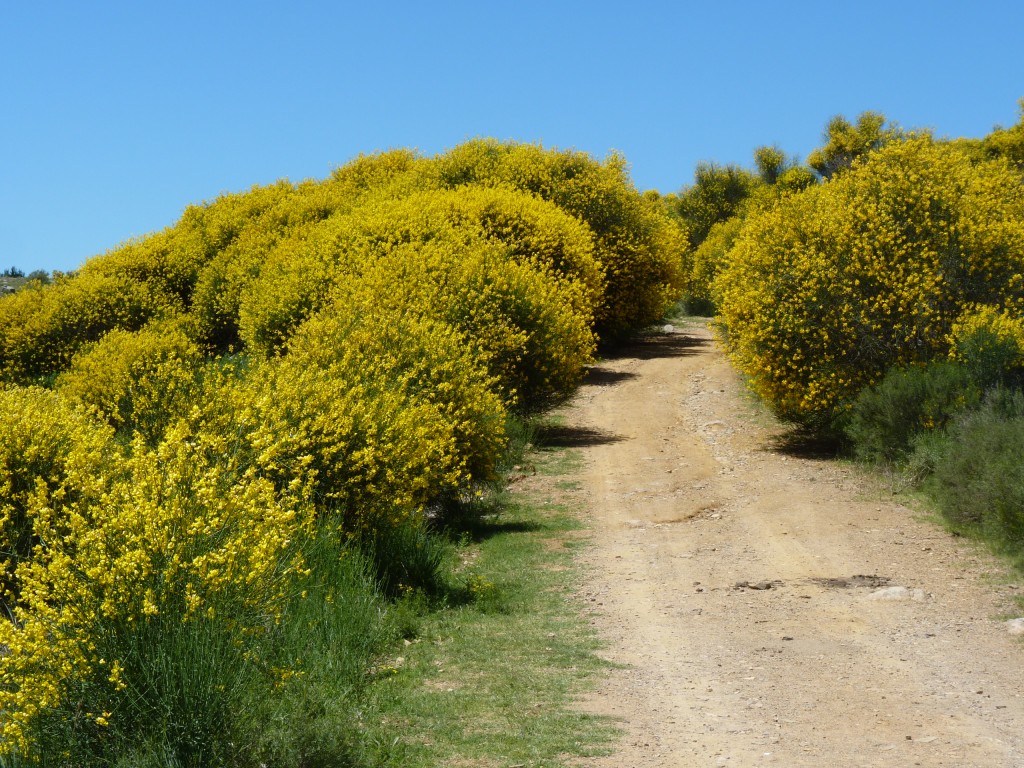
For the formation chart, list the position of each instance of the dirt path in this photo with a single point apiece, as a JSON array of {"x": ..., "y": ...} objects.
[{"x": 729, "y": 581}]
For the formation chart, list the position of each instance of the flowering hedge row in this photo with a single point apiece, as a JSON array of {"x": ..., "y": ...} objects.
[{"x": 191, "y": 411}]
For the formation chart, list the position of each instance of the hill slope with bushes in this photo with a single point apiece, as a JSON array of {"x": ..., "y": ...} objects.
[{"x": 252, "y": 422}]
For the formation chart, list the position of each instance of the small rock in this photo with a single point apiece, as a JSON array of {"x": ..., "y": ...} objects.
[
  {"x": 753, "y": 585},
  {"x": 668, "y": 328},
  {"x": 1015, "y": 626},
  {"x": 897, "y": 593}
]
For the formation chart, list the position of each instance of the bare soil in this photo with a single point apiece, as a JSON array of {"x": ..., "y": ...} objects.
[{"x": 748, "y": 588}]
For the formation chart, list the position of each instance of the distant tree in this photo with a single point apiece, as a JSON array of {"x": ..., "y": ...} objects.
[
  {"x": 718, "y": 193},
  {"x": 846, "y": 142},
  {"x": 41, "y": 275},
  {"x": 771, "y": 162},
  {"x": 781, "y": 173},
  {"x": 12, "y": 272}
]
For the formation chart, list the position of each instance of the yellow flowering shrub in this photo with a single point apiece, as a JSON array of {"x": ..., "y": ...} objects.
[
  {"x": 298, "y": 273},
  {"x": 167, "y": 263},
  {"x": 516, "y": 319},
  {"x": 16, "y": 311},
  {"x": 642, "y": 251},
  {"x": 174, "y": 541},
  {"x": 232, "y": 269},
  {"x": 393, "y": 172},
  {"x": 533, "y": 231},
  {"x": 170, "y": 262},
  {"x": 156, "y": 504},
  {"x": 385, "y": 411},
  {"x": 989, "y": 341},
  {"x": 389, "y": 353},
  {"x": 50, "y": 454},
  {"x": 284, "y": 213},
  {"x": 827, "y": 289},
  {"x": 709, "y": 259},
  {"x": 43, "y": 326},
  {"x": 1007, "y": 142},
  {"x": 136, "y": 380}
]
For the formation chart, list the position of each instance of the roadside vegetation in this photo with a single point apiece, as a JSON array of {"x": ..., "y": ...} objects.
[
  {"x": 244, "y": 461},
  {"x": 874, "y": 297}
]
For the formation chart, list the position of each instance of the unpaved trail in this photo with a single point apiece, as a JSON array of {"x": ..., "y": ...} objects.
[{"x": 723, "y": 577}]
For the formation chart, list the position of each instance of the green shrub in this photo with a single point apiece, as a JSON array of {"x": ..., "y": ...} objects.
[
  {"x": 845, "y": 142},
  {"x": 978, "y": 482},
  {"x": 334, "y": 625},
  {"x": 990, "y": 342},
  {"x": 408, "y": 558},
  {"x": 718, "y": 193},
  {"x": 887, "y": 418}
]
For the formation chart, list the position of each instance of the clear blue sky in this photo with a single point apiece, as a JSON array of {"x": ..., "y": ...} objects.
[{"x": 116, "y": 115}]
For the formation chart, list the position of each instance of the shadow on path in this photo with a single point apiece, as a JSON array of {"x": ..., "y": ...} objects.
[
  {"x": 657, "y": 345},
  {"x": 804, "y": 444},
  {"x": 602, "y": 377},
  {"x": 574, "y": 437}
]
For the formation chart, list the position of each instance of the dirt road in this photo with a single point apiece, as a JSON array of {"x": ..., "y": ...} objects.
[{"x": 773, "y": 608}]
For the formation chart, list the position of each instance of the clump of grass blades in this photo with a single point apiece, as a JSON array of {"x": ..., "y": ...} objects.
[{"x": 331, "y": 631}]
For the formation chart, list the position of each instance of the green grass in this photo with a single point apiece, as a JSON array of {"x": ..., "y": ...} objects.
[{"x": 494, "y": 681}]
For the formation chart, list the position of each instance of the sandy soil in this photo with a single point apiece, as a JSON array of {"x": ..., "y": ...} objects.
[{"x": 740, "y": 586}]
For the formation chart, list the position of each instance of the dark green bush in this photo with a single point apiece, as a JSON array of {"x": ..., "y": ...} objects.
[
  {"x": 888, "y": 417},
  {"x": 978, "y": 479}
]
